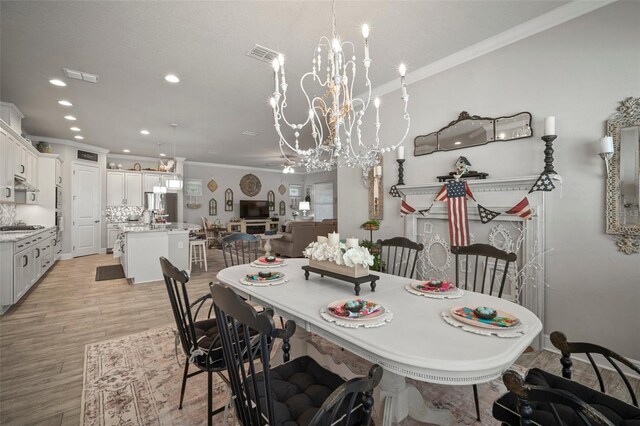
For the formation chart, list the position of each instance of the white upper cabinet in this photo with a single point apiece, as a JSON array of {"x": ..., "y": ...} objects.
[
  {"x": 124, "y": 188},
  {"x": 133, "y": 189},
  {"x": 151, "y": 180},
  {"x": 7, "y": 167},
  {"x": 58, "y": 172},
  {"x": 20, "y": 155}
]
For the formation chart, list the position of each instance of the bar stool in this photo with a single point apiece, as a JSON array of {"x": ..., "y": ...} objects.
[{"x": 198, "y": 253}]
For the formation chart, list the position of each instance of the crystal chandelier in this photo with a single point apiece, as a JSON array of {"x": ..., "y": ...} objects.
[{"x": 335, "y": 116}]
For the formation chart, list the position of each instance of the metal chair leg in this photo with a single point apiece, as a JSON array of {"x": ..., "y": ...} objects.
[
  {"x": 475, "y": 398},
  {"x": 210, "y": 399},
  {"x": 184, "y": 381}
]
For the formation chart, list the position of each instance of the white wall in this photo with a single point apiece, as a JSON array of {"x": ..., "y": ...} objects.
[
  {"x": 229, "y": 177},
  {"x": 579, "y": 72}
]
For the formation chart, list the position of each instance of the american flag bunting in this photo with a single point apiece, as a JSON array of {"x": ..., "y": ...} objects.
[
  {"x": 543, "y": 183},
  {"x": 522, "y": 209}
]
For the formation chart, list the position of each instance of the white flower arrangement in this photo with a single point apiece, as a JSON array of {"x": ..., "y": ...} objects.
[{"x": 339, "y": 254}]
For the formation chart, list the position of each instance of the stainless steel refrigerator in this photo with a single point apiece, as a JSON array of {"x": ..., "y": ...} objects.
[{"x": 167, "y": 202}]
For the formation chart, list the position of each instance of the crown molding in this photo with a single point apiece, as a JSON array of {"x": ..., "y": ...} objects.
[
  {"x": 541, "y": 23},
  {"x": 232, "y": 166},
  {"x": 134, "y": 157},
  {"x": 68, "y": 143}
]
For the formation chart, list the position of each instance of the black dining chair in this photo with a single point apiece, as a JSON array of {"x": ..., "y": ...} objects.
[
  {"x": 200, "y": 340},
  {"x": 298, "y": 392},
  {"x": 403, "y": 265},
  {"x": 490, "y": 261},
  {"x": 239, "y": 249},
  {"x": 547, "y": 399}
]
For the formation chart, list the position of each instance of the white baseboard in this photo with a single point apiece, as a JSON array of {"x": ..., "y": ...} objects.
[
  {"x": 66, "y": 256},
  {"x": 601, "y": 362},
  {"x": 103, "y": 251}
]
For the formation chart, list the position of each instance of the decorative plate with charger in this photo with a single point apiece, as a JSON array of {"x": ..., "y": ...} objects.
[
  {"x": 484, "y": 320},
  {"x": 264, "y": 279},
  {"x": 354, "y": 313},
  {"x": 436, "y": 289},
  {"x": 268, "y": 262}
]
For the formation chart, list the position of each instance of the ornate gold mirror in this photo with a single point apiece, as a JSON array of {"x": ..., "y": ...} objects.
[{"x": 623, "y": 181}]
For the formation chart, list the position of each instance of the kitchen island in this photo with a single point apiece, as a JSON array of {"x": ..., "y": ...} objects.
[{"x": 142, "y": 245}]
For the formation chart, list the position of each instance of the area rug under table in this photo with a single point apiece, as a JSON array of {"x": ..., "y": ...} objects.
[{"x": 135, "y": 380}]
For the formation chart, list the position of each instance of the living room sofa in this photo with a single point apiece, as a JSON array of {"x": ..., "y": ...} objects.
[{"x": 298, "y": 234}]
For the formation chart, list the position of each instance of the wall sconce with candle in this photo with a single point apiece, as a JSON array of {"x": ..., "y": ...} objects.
[
  {"x": 376, "y": 194},
  {"x": 606, "y": 151}
]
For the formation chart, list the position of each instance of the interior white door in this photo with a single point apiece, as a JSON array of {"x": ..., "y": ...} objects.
[
  {"x": 322, "y": 201},
  {"x": 86, "y": 209}
]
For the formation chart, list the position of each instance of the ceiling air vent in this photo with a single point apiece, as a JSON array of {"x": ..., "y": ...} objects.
[
  {"x": 79, "y": 75},
  {"x": 262, "y": 53}
]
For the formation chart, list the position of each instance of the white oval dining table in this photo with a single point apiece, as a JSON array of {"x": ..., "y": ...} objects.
[{"x": 417, "y": 343}]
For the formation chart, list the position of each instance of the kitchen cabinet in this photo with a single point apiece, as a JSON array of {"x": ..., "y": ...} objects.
[
  {"x": 124, "y": 188},
  {"x": 7, "y": 167},
  {"x": 151, "y": 180},
  {"x": 32, "y": 168},
  {"x": 58, "y": 172},
  {"x": 113, "y": 230},
  {"x": 23, "y": 273},
  {"x": 20, "y": 158},
  {"x": 133, "y": 189}
]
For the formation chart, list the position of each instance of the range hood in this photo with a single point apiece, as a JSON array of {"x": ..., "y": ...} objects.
[{"x": 21, "y": 184}]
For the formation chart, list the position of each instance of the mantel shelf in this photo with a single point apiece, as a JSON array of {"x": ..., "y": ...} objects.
[{"x": 480, "y": 185}]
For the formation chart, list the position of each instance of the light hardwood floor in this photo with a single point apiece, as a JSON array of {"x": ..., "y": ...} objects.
[{"x": 42, "y": 339}]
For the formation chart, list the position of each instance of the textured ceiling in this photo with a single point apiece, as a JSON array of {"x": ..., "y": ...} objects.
[{"x": 132, "y": 45}]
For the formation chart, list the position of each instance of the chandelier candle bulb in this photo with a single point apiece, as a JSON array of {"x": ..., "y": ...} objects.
[
  {"x": 334, "y": 239},
  {"x": 606, "y": 145},
  {"x": 549, "y": 125},
  {"x": 378, "y": 171}
]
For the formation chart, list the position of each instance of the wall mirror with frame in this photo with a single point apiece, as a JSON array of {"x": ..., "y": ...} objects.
[
  {"x": 472, "y": 130},
  {"x": 623, "y": 180}
]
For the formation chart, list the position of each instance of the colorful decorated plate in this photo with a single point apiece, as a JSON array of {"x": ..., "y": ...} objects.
[
  {"x": 355, "y": 309},
  {"x": 438, "y": 287},
  {"x": 270, "y": 260},
  {"x": 468, "y": 315},
  {"x": 264, "y": 276}
]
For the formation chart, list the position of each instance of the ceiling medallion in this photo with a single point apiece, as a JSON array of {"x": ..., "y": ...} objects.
[
  {"x": 334, "y": 116},
  {"x": 250, "y": 185}
]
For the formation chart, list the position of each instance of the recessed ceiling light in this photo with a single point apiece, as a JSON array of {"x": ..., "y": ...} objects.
[
  {"x": 74, "y": 129},
  {"x": 70, "y": 117},
  {"x": 172, "y": 78},
  {"x": 144, "y": 132},
  {"x": 57, "y": 82},
  {"x": 457, "y": 143},
  {"x": 65, "y": 103},
  {"x": 79, "y": 137},
  {"x": 125, "y": 150},
  {"x": 250, "y": 133},
  {"x": 162, "y": 154}
]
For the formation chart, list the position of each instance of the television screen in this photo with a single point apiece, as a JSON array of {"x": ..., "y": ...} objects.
[{"x": 252, "y": 209}]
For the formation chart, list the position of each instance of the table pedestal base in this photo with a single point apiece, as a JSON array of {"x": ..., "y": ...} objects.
[{"x": 394, "y": 397}]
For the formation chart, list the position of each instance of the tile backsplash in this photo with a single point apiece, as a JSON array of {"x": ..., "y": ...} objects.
[
  {"x": 121, "y": 213},
  {"x": 7, "y": 214}
]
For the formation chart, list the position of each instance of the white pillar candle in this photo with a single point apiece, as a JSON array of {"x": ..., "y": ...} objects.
[
  {"x": 322, "y": 240},
  {"x": 351, "y": 242},
  {"x": 606, "y": 145},
  {"x": 378, "y": 171},
  {"x": 401, "y": 153},
  {"x": 334, "y": 239},
  {"x": 549, "y": 125}
]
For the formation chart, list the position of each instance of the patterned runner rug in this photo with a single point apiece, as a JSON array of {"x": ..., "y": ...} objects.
[{"x": 135, "y": 381}]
